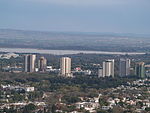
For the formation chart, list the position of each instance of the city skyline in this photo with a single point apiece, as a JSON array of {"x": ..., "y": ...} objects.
[{"x": 74, "y": 56}]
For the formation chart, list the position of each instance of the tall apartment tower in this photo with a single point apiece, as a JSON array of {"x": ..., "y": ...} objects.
[
  {"x": 30, "y": 63},
  {"x": 140, "y": 69},
  {"x": 65, "y": 66},
  {"x": 108, "y": 68},
  {"x": 42, "y": 64},
  {"x": 100, "y": 72},
  {"x": 124, "y": 67}
]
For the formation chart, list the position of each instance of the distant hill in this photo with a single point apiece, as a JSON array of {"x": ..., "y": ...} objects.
[{"x": 74, "y": 41}]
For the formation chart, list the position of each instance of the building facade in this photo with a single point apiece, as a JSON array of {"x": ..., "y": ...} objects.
[
  {"x": 100, "y": 72},
  {"x": 124, "y": 67},
  {"x": 140, "y": 70},
  {"x": 42, "y": 64},
  {"x": 29, "y": 65},
  {"x": 65, "y": 67},
  {"x": 108, "y": 68}
]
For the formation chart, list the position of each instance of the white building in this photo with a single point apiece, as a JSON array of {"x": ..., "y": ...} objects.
[
  {"x": 29, "y": 89},
  {"x": 108, "y": 68},
  {"x": 100, "y": 72},
  {"x": 65, "y": 67}
]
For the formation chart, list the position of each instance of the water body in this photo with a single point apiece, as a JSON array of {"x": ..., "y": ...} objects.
[{"x": 65, "y": 52}]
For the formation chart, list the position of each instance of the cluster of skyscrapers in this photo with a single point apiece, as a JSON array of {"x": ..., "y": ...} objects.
[
  {"x": 107, "y": 69},
  {"x": 65, "y": 65},
  {"x": 30, "y": 63}
]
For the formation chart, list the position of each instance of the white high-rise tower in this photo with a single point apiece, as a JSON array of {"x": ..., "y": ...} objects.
[
  {"x": 108, "y": 68},
  {"x": 65, "y": 66}
]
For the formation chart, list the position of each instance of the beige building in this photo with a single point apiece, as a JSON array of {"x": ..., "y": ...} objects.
[
  {"x": 30, "y": 63},
  {"x": 100, "y": 72},
  {"x": 42, "y": 64},
  {"x": 65, "y": 67},
  {"x": 108, "y": 68}
]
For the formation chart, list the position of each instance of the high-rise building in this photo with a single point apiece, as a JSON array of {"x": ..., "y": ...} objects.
[
  {"x": 42, "y": 64},
  {"x": 30, "y": 63},
  {"x": 124, "y": 67},
  {"x": 140, "y": 69},
  {"x": 100, "y": 72},
  {"x": 65, "y": 66},
  {"x": 108, "y": 68}
]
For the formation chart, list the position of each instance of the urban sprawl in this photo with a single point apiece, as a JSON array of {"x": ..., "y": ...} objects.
[{"x": 38, "y": 87}]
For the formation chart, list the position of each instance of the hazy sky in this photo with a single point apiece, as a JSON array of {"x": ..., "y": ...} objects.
[{"x": 120, "y": 16}]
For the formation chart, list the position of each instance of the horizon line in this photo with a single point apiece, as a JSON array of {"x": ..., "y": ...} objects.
[{"x": 74, "y": 32}]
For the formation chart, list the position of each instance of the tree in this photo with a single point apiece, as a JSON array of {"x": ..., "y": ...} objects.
[
  {"x": 29, "y": 108},
  {"x": 102, "y": 111},
  {"x": 71, "y": 99},
  {"x": 103, "y": 102},
  {"x": 147, "y": 109},
  {"x": 53, "y": 108}
]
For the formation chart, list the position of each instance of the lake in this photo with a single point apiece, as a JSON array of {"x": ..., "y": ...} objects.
[{"x": 65, "y": 52}]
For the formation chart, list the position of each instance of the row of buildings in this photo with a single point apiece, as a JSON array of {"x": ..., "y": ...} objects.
[
  {"x": 107, "y": 69},
  {"x": 65, "y": 65}
]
